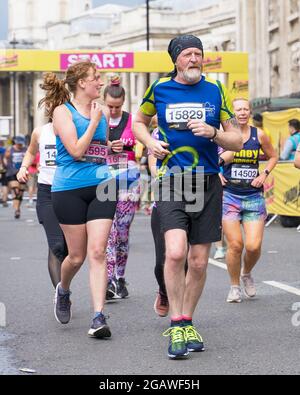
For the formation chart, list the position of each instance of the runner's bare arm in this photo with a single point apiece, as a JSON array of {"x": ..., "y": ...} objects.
[
  {"x": 231, "y": 138},
  {"x": 66, "y": 130},
  {"x": 141, "y": 132},
  {"x": 268, "y": 149},
  {"x": 29, "y": 157}
]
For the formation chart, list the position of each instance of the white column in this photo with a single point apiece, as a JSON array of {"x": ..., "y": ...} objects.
[
  {"x": 38, "y": 115},
  {"x": 154, "y": 77},
  {"x": 284, "y": 55},
  {"x": 11, "y": 88},
  {"x": 126, "y": 84},
  {"x": 141, "y": 88},
  {"x": 14, "y": 107},
  {"x": 17, "y": 105}
]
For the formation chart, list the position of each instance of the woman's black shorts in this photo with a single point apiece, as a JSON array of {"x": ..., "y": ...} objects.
[{"x": 79, "y": 206}]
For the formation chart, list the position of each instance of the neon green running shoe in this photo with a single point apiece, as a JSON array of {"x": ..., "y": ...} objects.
[
  {"x": 194, "y": 341},
  {"x": 177, "y": 345}
]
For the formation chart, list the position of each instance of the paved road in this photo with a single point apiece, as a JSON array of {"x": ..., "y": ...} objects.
[{"x": 255, "y": 337}]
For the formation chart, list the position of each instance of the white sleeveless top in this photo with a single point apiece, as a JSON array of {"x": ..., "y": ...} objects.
[{"x": 48, "y": 152}]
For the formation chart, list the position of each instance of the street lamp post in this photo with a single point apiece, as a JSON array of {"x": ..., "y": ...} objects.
[
  {"x": 14, "y": 43},
  {"x": 148, "y": 33},
  {"x": 148, "y": 24}
]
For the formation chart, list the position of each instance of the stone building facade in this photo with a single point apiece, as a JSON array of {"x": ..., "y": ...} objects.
[{"x": 268, "y": 29}]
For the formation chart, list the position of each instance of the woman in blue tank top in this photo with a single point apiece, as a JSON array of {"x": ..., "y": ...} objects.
[
  {"x": 81, "y": 176},
  {"x": 243, "y": 202}
]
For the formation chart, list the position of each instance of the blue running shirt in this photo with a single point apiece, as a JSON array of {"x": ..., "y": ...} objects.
[{"x": 174, "y": 104}]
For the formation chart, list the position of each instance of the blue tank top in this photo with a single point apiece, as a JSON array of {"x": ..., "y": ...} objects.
[
  {"x": 244, "y": 168},
  {"x": 73, "y": 174}
]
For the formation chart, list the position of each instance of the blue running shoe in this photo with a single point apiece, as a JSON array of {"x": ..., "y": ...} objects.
[
  {"x": 62, "y": 306},
  {"x": 99, "y": 327},
  {"x": 194, "y": 341},
  {"x": 177, "y": 345}
]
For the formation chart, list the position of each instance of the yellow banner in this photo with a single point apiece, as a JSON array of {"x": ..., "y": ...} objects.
[
  {"x": 277, "y": 124},
  {"x": 282, "y": 190},
  {"x": 147, "y": 62},
  {"x": 234, "y": 64}
]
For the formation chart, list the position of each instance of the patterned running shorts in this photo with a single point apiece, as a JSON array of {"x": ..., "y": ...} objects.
[{"x": 244, "y": 207}]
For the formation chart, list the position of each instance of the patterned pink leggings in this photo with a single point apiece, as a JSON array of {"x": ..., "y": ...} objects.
[{"x": 118, "y": 242}]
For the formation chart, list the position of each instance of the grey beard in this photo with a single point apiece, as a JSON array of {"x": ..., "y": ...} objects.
[{"x": 192, "y": 75}]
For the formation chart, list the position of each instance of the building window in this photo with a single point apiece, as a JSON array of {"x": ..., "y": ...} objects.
[
  {"x": 273, "y": 12},
  {"x": 294, "y": 7}
]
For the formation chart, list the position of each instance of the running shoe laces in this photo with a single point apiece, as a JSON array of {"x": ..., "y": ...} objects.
[
  {"x": 64, "y": 302},
  {"x": 193, "y": 339},
  {"x": 177, "y": 345},
  {"x": 176, "y": 333},
  {"x": 249, "y": 286},
  {"x": 99, "y": 327},
  {"x": 62, "y": 306},
  {"x": 191, "y": 334}
]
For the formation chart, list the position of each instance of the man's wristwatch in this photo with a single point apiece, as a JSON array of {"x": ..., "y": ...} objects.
[{"x": 267, "y": 172}]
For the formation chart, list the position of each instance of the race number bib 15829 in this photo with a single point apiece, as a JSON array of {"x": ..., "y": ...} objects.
[
  {"x": 178, "y": 115},
  {"x": 96, "y": 153}
]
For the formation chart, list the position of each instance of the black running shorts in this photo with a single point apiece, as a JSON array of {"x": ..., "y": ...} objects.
[
  {"x": 79, "y": 206},
  {"x": 202, "y": 227}
]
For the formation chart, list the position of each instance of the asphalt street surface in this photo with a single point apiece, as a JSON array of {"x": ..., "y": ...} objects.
[{"x": 260, "y": 336}]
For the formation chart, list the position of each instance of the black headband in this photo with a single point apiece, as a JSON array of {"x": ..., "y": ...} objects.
[{"x": 180, "y": 43}]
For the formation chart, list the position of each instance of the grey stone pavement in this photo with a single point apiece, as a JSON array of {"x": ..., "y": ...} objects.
[{"x": 261, "y": 336}]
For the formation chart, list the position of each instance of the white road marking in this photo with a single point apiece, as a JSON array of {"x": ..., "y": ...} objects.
[
  {"x": 15, "y": 258},
  {"x": 275, "y": 284},
  {"x": 284, "y": 287},
  {"x": 218, "y": 264}
]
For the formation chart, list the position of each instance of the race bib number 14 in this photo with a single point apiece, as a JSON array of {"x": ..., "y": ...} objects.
[{"x": 178, "y": 115}]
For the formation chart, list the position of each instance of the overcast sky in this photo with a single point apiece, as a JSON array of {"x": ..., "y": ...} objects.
[
  {"x": 4, "y": 16},
  {"x": 123, "y": 2},
  {"x": 3, "y": 19}
]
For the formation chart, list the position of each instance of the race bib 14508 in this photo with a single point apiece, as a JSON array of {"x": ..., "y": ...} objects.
[{"x": 178, "y": 115}]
